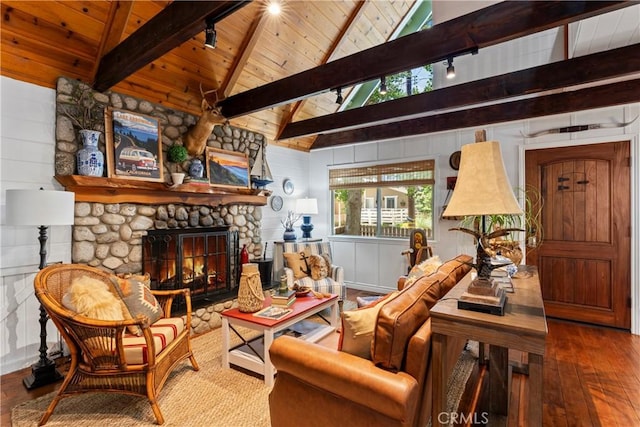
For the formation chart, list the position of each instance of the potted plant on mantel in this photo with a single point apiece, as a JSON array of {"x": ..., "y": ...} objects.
[
  {"x": 177, "y": 154},
  {"x": 87, "y": 114}
]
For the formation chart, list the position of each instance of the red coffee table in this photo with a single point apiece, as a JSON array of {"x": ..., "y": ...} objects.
[{"x": 253, "y": 354}]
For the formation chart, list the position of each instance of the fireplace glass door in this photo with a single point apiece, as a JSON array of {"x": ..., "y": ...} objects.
[{"x": 203, "y": 260}]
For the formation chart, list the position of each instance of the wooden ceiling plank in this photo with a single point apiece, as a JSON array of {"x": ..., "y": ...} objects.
[
  {"x": 70, "y": 17},
  {"x": 19, "y": 23},
  {"x": 40, "y": 74},
  {"x": 486, "y": 27},
  {"x": 64, "y": 62},
  {"x": 246, "y": 49},
  {"x": 168, "y": 29},
  {"x": 583, "y": 99},
  {"x": 580, "y": 70}
]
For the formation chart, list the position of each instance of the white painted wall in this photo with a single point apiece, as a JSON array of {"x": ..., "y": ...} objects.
[
  {"x": 284, "y": 163},
  {"x": 26, "y": 161}
]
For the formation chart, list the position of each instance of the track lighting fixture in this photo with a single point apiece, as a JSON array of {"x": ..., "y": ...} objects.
[
  {"x": 451, "y": 70},
  {"x": 210, "y": 34},
  {"x": 339, "y": 96},
  {"x": 383, "y": 85}
]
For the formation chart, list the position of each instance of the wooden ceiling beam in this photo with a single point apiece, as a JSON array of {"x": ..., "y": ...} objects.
[
  {"x": 572, "y": 72},
  {"x": 583, "y": 99},
  {"x": 174, "y": 25},
  {"x": 290, "y": 115},
  {"x": 119, "y": 12},
  {"x": 486, "y": 27}
]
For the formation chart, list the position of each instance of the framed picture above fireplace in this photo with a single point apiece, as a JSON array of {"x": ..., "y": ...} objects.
[
  {"x": 134, "y": 146},
  {"x": 227, "y": 168}
]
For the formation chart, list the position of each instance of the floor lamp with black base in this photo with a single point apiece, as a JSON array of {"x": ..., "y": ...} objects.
[{"x": 37, "y": 207}]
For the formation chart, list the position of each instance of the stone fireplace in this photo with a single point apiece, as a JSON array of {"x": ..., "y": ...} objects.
[{"x": 114, "y": 216}]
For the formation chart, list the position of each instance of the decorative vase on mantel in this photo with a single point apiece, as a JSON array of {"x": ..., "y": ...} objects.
[
  {"x": 89, "y": 158},
  {"x": 289, "y": 235}
]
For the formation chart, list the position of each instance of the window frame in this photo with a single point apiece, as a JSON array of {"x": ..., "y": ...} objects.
[{"x": 379, "y": 198}]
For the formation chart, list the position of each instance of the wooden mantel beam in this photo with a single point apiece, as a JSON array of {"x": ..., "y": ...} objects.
[
  {"x": 174, "y": 25},
  {"x": 572, "y": 72},
  {"x": 486, "y": 27},
  {"x": 583, "y": 99}
]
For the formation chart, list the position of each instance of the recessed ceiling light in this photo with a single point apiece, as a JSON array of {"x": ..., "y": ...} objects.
[{"x": 274, "y": 8}]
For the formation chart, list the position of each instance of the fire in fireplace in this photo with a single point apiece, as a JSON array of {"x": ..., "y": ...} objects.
[{"x": 204, "y": 260}]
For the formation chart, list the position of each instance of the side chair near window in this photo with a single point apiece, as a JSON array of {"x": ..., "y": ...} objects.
[{"x": 132, "y": 356}]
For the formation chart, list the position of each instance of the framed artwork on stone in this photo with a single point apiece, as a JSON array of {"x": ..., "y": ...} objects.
[
  {"x": 227, "y": 168},
  {"x": 134, "y": 146}
]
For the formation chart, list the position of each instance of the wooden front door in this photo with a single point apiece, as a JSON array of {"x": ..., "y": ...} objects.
[{"x": 586, "y": 220}]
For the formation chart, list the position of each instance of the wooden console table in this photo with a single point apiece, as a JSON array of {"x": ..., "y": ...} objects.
[{"x": 523, "y": 327}]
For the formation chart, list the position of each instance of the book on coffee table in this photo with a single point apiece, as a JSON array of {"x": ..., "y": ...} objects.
[{"x": 273, "y": 312}]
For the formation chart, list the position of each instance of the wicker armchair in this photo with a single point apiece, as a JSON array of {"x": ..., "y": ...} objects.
[{"x": 98, "y": 360}]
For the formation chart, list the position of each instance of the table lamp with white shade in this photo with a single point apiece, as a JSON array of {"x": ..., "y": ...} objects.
[
  {"x": 306, "y": 207},
  {"x": 42, "y": 208}
]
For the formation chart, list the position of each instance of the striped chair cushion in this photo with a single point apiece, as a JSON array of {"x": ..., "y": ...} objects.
[
  {"x": 164, "y": 332},
  {"x": 326, "y": 285}
]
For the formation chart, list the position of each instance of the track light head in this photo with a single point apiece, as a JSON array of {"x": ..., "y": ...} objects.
[
  {"x": 339, "y": 96},
  {"x": 451, "y": 70},
  {"x": 383, "y": 85},
  {"x": 210, "y": 34}
]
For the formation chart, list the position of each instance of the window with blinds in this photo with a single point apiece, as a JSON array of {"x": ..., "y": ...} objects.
[{"x": 386, "y": 200}]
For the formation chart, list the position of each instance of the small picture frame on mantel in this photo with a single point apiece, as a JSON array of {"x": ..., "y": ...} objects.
[{"x": 227, "y": 168}]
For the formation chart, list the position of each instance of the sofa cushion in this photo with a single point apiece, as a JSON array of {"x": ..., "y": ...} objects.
[
  {"x": 358, "y": 325},
  {"x": 452, "y": 271},
  {"x": 138, "y": 300},
  {"x": 401, "y": 317}
]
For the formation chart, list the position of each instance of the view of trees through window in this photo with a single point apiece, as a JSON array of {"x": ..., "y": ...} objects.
[
  {"x": 383, "y": 200},
  {"x": 401, "y": 209}
]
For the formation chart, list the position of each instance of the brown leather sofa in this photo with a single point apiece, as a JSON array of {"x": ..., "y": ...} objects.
[{"x": 321, "y": 386}]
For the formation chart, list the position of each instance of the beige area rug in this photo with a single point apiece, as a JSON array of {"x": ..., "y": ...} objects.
[{"x": 212, "y": 396}]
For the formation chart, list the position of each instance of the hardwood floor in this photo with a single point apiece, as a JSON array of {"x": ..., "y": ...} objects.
[{"x": 591, "y": 378}]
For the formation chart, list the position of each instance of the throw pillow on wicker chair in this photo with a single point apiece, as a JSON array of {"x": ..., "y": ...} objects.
[
  {"x": 138, "y": 300},
  {"x": 91, "y": 298}
]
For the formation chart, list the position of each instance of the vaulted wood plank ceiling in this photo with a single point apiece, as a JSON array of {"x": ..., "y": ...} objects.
[{"x": 42, "y": 40}]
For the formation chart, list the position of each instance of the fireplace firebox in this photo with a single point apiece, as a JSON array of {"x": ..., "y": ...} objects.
[{"x": 204, "y": 260}]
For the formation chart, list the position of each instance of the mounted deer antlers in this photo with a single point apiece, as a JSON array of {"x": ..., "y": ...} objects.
[{"x": 196, "y": 138}]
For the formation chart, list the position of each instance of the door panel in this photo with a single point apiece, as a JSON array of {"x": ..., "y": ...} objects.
[{"x": 586, "y": 220}]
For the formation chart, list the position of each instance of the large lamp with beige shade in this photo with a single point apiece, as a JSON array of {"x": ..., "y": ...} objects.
[{"x": 482, "y": 188}]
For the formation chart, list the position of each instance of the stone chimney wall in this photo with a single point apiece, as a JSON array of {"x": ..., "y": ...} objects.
[{"x": 109, "y": 236}]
